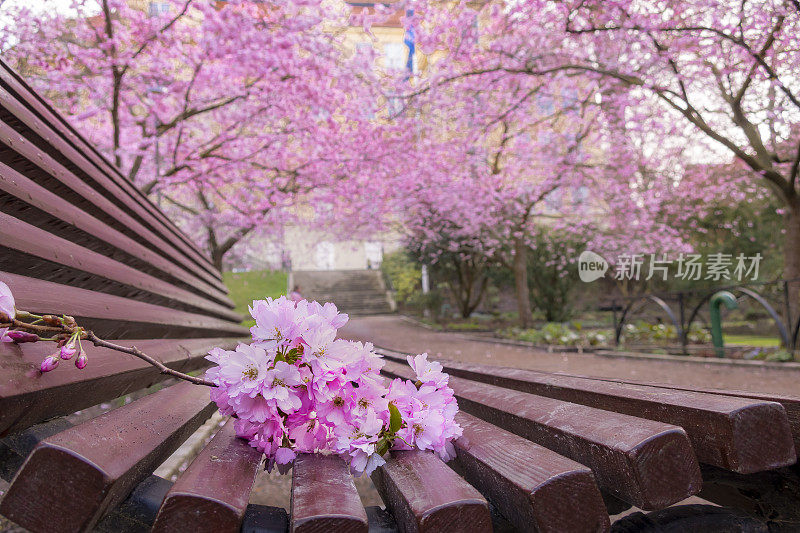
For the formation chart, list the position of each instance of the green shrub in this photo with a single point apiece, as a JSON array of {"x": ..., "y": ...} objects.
[
  {"x": 431, "y": 301},
  {"x": 552, "y": 274},
  {"x": 641, "y": 331},
  {"x": 560, "y": 334},
  {"x": 404, "y": 274},
  {"x": 780, "y": 356}
]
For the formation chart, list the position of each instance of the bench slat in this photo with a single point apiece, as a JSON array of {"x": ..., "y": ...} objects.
[
  {"x": 18, "y": 235},
  {"x": 533, "y": 487},
  {"x": 791, "y": 404},
  {"x": 212, "y": 494},
  {"x": 84, "y": 196},
  {"x": 72, "y": 478},
  {"x": 425, "y": 495},
  {"x": 62, "y": 218},
  {"x": 114, "y": 316},
  {"x": 324, "y": 497},
  {"x": 742, "y": 435},
  {"x": 19, "y": 152},
  {"x": 52, "y": 138},
  {"x": 649, "y": 464},
  {"x": 28, "y": 397},
  {"x": 14, "y": 82}
]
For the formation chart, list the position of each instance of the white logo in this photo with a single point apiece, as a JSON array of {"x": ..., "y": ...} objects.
[{"x": 591, "y": 266}]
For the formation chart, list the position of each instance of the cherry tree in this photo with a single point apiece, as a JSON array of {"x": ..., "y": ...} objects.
[
  {"x": 716, "y": 78},
  {"x": 500, "y": 159},
  {"x": 230, "y": 113}
]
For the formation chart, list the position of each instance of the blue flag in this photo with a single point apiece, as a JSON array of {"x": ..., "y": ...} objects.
[{"x": 408, "y": 39}]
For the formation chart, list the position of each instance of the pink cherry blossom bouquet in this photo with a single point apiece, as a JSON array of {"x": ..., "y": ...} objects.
[{"x": 298, "y": 389}]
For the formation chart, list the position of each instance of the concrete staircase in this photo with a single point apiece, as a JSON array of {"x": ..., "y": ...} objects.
[{"x": 356, "y": 292}]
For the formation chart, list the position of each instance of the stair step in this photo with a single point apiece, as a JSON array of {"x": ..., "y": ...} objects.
[{"x": 353, "y": 291}]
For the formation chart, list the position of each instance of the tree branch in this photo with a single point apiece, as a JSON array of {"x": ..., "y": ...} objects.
[{"x": 134, "y": 351}]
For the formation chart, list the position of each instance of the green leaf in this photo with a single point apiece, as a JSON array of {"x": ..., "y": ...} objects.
[
  {"x": 395, "y": 420},
  {"x": 382, "y": 447},
  {"x": 292, "y": 355}
]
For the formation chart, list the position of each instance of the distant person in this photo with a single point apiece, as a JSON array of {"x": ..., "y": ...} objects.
[{"x": 295, "y": 295}]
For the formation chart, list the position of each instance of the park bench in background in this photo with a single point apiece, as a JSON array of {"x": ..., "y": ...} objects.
[{"x": 539, "y": 452}]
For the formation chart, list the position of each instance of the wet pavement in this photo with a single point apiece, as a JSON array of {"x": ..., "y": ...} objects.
[{"x": 395, "y": 333}]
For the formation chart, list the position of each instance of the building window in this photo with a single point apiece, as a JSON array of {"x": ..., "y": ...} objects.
[
  {"x": 325, "y": 256},
  {"x": 395, "y": 56}
]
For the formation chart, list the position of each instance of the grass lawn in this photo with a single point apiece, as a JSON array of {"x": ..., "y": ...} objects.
[
  {"x": 245, "y": 287},
  {"x": 751, "y": 340}
]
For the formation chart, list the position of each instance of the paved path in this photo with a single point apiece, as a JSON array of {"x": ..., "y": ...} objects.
[{"x": 392, "y": 332}]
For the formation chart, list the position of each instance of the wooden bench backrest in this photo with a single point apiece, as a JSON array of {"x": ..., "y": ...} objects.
[
  {"x": 76, "y": 237},
  {"x": 69, "y": 217}
]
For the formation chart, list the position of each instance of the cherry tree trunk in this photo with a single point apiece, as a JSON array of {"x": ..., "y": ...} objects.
[
  {"x": 217, "y": 255},
  {"x": 521, "y": 283},
  {"x": 791, "y": 256}
]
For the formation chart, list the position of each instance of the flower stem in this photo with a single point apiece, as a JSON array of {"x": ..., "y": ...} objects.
[{"x": 134, "y": 351}]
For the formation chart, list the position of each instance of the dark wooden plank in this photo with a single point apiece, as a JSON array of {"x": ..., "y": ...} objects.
[
  {"x": 791, "y": 404},
  {"x": 17, "y": 185},
  {"x": 424, "y": 495},
  {"x": 772, "y": 495},
  {"x": 380, "y": 521},
  {"x": 137, "y": 512},
  {"x": 265, "y": 519},
  {"x": 107, "y": 314},
  {"x": 647, "y": 463},
  {"x": 212, "y": 494},
  {"x": 324, "y": 497},
  {"x": 18, "y": 235},
  {"x": 88, "y": 195},
  {"x": 738, "y": 434},
  {"x": 14, "y": 83},
  {"x": 72, "y": 478},
  {"x": 690, "y": 518},
  {"x": 28, "y": 397},
  {"x": 533, "y": 487},
  {"x": 14, "y": 449},
  {"x": 63, "y": 142}
]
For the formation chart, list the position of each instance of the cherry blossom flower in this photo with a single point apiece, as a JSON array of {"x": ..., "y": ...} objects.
[
  {"x": 7, "y": 302},
  {"x": 427, "y": 372},
  {"x": 298, "y": 389}
]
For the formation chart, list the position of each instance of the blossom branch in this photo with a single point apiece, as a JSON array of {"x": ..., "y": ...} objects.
[
  {"x": 136, "y": 352},
  {"x": 22, "y": 327}
]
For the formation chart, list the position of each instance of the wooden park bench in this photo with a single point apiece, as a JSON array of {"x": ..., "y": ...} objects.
[{"x": 540, "y": 451}]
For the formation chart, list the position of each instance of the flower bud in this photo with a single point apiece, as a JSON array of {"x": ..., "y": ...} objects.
[
  {"x": 49, "y": 363},
  {"x": 51, "y": 320},
  {"x": 81, "y": 361},
  {"x": 21, "y": 336},
  {"x": 67, "y": 351}
]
